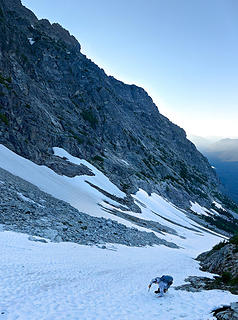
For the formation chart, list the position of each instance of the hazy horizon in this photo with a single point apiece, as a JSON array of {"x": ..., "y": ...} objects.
[{"x": 184, "y": 54}]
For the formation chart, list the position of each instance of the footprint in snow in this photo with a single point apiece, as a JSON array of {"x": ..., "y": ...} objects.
[{"x": 3, "y": 314}]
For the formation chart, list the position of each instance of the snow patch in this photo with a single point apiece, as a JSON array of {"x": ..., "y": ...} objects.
[
  {"x": 31, "y": 41},
  {"x": 215, "y": 212},
  {"x": 99, "y": 179},
  {"x": 218, "y": 205},
  {"x": 157, "y": 204},
  {"x": 195, "y": 207},
  {"x": 29, "y": 200},
  {"x": 125, "y": 162}
]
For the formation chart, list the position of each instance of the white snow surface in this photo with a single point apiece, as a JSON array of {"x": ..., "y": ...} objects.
[
  {"x": 66, "y": 281},
  {"x": 31, "y": 41},
  {"x": 21, "y": 196},
  {"x": 57, "y": 281},
  {"x": 99, "y": 179},
  {"x": 195, "y": 207},
  {"x": 218, "y": 205}
]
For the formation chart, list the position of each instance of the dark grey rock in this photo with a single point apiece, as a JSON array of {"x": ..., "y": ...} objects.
[
  {"x": 220, "y": 261},
  {"x": 195, "y": 284},
  {"x": 66, "y": 168},
  {"x": 227, "y": 312},
  {"x": 25, "y": 208}
]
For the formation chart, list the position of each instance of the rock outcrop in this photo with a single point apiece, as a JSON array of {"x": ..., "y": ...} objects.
[
  {"x": 227, "y": 312},
  {"x": 220, "y": 261}
]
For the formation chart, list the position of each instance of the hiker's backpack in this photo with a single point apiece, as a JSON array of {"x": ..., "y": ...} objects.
[{"x": 167, "y": 279}]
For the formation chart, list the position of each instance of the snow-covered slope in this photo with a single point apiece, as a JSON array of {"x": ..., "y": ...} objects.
[
  {"x": 67, "y": 281},
  {"x": 52, "y": 281}
]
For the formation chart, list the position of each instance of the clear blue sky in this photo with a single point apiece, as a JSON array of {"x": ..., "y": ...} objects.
[{"x": 183, "y": 52}]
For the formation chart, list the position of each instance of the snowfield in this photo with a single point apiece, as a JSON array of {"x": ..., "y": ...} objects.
[
  {"x": 66, "y": 281},
  {"x": 57, "y": 281}
]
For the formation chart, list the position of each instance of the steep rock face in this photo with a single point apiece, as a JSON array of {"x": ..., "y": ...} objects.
[
  {"x": 222, "y": 258},
  {"x": 220, "y": 261},
  {"x": 53, "y": 95}
]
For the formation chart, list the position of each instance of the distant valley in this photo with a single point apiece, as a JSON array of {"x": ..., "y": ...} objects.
[{"x": 223, "y": 155}]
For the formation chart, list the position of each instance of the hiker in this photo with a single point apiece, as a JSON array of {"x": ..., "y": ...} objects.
[{"x": 164, "y": 283}]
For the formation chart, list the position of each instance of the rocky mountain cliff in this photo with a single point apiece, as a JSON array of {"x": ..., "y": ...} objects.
[
  {"x": 53, "y": 95},
  {"x": 222, "y": 260}
]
